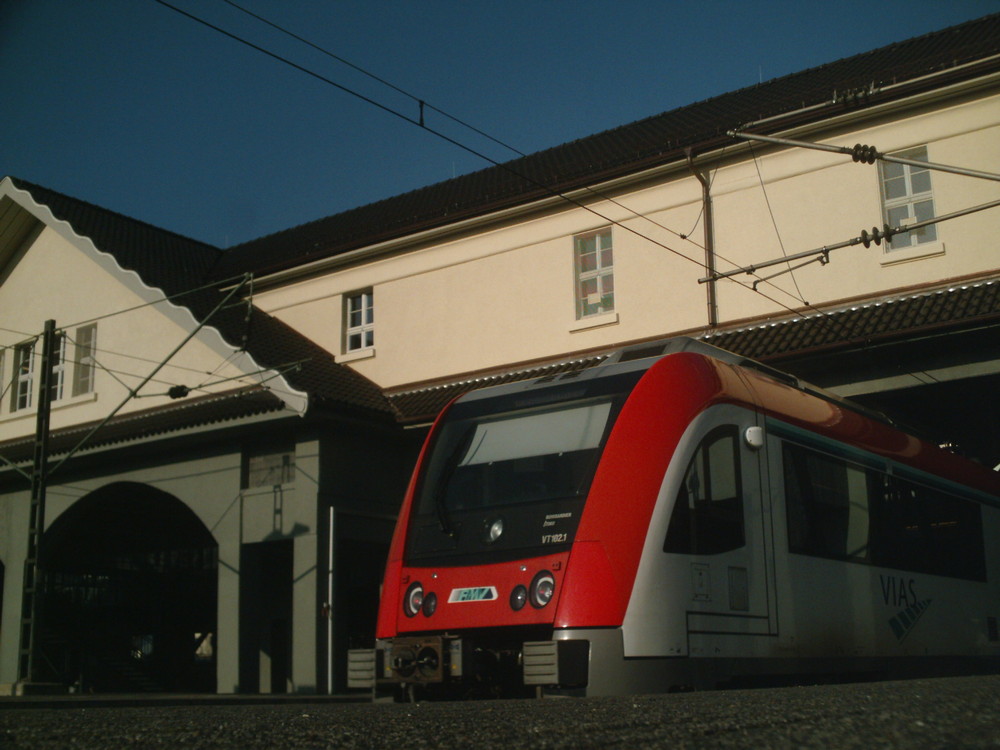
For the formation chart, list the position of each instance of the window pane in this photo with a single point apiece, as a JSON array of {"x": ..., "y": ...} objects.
[
  {"x": 723, "y": 463},
  {"x": 895, "y": 188},
  {"x": 586, "y": 244},
  {"x": 898, "y": 215},
  {"x": 708, "y": 511},
  {"x": 588, "y": 262},
  {"x": 921, "y": 181},
  {"x": 588, "y": 287},
  {"x": 923, "y": 210},
  {"x": 24, "y": 368},
  {"x": 826, "y": 503},
  {"x": 84, "y": 363},
  {"x": 892, "y": 170},
  {"x": 606, "y": 258}
]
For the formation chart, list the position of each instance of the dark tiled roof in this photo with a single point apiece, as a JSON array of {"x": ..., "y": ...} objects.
[
  {"x": 175, "y": 260},
  {"x": 856, "y": 82},
  {"x": 868, "y": 323},
  {"x": 219, "y": 408},
  {"x": 177, "y": 265}
]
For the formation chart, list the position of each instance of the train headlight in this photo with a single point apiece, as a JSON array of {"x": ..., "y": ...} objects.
[
  {"x": 543, "y": 586},
  {"x": 518, "y": 598},
  {"x": 492, "y": 530},
  {"x": 414, "y": 599},
  {"x": 430, "y": 604}
]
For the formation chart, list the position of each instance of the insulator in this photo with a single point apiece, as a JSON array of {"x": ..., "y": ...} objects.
[
  {"x": 865, "y": 154},
  {"x": 876, "y": 236}
]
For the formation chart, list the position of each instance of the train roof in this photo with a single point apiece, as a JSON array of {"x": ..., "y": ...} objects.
[{"x": 844, "y": 420}]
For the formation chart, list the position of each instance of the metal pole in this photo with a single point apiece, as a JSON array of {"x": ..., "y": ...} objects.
[
  {"x": 329, "y": 608},
  {"x": 32, "y": 591}
]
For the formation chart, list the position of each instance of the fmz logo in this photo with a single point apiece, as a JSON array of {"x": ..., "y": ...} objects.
[{"x": 901, "y": 592}]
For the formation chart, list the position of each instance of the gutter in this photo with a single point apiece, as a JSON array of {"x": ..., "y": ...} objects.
[{"x": 710, "y": 270}]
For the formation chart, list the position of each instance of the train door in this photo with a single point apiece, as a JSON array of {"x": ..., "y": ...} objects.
[{"x": 706, "y": 578}]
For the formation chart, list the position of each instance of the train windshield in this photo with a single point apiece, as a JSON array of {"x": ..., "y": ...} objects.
[{"x": 507, "y": 476}]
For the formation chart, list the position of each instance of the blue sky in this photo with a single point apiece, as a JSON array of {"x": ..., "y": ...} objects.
[{"x": 132, "y": 106}]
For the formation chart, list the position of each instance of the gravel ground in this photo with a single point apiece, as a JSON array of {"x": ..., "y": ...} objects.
[{"x": 941, "y": 713}]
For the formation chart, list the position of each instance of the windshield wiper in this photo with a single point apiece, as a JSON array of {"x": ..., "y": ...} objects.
[{"x": 440, "y": 497}]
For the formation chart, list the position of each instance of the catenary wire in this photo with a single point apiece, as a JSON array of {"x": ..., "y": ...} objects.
[
  {"x": 513, "y": 149},
  {"x": 774, "y": 222},
  {"x": 475, "y": 152}
]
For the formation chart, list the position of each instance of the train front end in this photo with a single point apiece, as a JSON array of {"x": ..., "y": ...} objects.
[{"x": 485, "y": 542}]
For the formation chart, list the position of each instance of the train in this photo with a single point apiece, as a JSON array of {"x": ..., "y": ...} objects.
[{"x": 680, "y": 517}]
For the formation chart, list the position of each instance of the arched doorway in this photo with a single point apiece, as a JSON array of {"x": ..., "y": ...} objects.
[{"x": 130, "y": 588}]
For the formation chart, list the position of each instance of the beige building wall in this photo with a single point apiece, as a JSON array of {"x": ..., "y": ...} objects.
[
  {"x": 56, "y": 279},
  {"x": 501, "y": 293}
]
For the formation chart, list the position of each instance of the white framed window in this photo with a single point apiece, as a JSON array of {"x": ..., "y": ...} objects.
[
  {"x": 84, "y": 362},
  {"x": 23, "y": 377},
  {"x": 359, "y": 316},
  {"x": 58, "y": 367},
  {"x": 907, "y": 198},
  {"x": 595, "y": 279}
]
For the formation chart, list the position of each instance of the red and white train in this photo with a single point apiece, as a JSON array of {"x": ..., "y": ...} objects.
[{"x": 681, "y": 517}]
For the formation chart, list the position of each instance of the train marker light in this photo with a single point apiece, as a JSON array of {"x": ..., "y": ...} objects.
[
  {"x": 414, "y": 599},
  {"x": 430, "y": 604},
  {"x": 754, "y": 437},
  {"x": 543, "y": 586},
  {"x": 518, "y": 598}
]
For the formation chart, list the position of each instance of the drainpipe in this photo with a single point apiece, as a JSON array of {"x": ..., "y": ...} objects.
[{"x": 706, "y": 199}]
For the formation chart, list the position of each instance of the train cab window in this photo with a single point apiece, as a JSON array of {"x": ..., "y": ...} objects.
[{"x": 708, "y": 512}]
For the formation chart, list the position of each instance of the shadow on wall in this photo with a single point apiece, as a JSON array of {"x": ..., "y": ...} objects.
[{"x": 130, "y": 594}]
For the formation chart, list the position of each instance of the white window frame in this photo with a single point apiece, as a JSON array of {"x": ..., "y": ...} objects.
[
  {"x": 359, "y": 321},
  {"x": 912, "y": 203},
  {"x": 23, "y": 376},
  {"x": 84, "y": 361},
  {"x": 597, "y": 275},
  {"x": 58, "y": 367}
]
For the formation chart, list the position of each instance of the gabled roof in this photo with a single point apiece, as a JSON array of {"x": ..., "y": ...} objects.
[
  {"x": 852, "y": 84},
  {"x": 177, "y": 265}
]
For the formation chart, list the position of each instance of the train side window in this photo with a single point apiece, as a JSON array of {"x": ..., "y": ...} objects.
[
  {"x": 826, "y": 505},
  {"x": 708, "y": 512},
  {"x": 927, "y": 531}
]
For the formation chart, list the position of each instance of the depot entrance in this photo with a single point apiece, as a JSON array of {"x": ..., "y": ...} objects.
[{"x": 129, "y": 602}]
